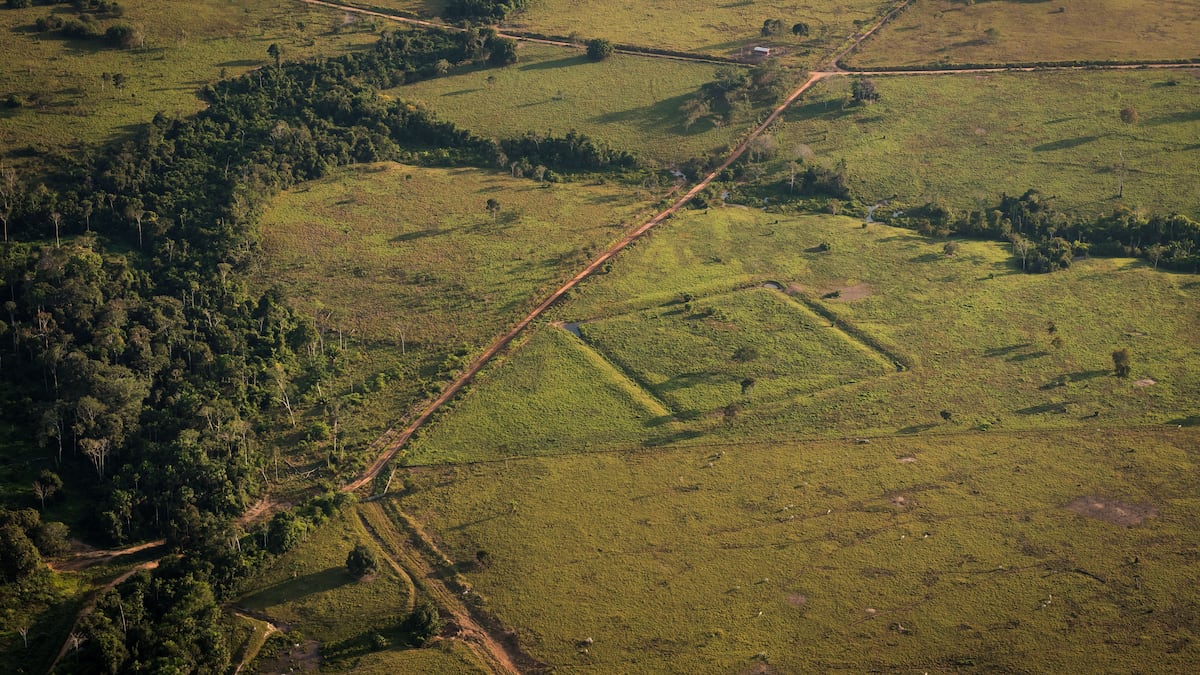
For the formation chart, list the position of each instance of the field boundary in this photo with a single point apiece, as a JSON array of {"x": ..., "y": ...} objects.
[
  {"x": 893, "y": 359},
  {"x": 621, "y": 374}
]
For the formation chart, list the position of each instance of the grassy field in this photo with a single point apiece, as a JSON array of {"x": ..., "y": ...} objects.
[
  {"x": 752, "y": 345},
  {"x": 966, "y": 138},
  {"x": 1013, "y": 552},
  {"x": 309, "y": 589},
  {"x": 404, "y": 266},
  {"x": 187, "y": 45},
  {"x": 723, "y": 28},
  {"x": 631, "y": 103},
  {"x": 973, "y": 328},
  {"x": 554, "y": 395},
  {"x": 1015, "y": 31}
]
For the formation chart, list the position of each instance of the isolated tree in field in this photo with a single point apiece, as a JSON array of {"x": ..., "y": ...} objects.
[
  {"x": 599, "y": 49},
  {"x": 493, "y": 207},
  {"x": 361, "y": 561},
  {"x": 275, "y": 52},
  {"x": 1121, "y": 362},
  {"x": 423, "y": 623},
  {"x": 772, "y": 27},
  {"x": 863, "y": 90},
  {"x": 801, "y": 29},
  {"x": 1129, "y": 115},
  {"x": 119, "y": 80}
]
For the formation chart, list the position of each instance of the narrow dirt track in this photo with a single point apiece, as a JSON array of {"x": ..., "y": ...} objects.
[
  {"x": 91, "y": 605},
  {"x": 485, "y": 645},
  {"x": 85, "y": 559}
]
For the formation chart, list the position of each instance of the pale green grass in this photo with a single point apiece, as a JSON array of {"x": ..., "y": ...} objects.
[
  {"x": 720, "y": 28},
  {"x": 308, "y": 588},
  {"x": 907, "y": 554},
  {"x": 953, "y": 31},
  {"x": 444, "y": 657},
  {"x": 188, "y": 45},
  {"x": 553, "y": 395},
  {"x": 974, "y": 328},
  {"x": 965, "y": 139},
  {"x": 426, "y": 9},
  {"x": 404, "y": 265},
  {"x": 689, "y": 355},
  {"x": 629, "y": 102}
]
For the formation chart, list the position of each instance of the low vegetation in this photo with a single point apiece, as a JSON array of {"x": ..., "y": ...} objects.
[
  {"x": 933, "y": 137},
  {"x": 1007, "y": 31},
  {"x": 905, "y": 553}
]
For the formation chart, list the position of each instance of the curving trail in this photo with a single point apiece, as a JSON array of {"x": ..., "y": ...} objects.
[{"x": 91, "y": 605}]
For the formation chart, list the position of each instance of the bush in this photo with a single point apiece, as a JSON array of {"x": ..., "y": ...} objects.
[
  {"x": 361, "y": 561},
  {"x": 599, "y": 49},
  {"x": 124, "y": 36}
]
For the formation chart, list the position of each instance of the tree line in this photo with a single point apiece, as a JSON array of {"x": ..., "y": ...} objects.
[{"x": 1045, "y": 238}]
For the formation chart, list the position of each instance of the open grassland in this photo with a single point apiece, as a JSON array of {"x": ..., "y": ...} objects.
[
  {"x": 719, "y": 28},
  {"x": 629, "y": 102},
  {"x": 751, "y": 345},
  {"x": 1060, "y": 551},
  {"x": 309, "y": 589},
  {"x": 971, "y": 327},
  {"x": 404, "y": 266},
  {"x": 187, "y": 45},
  {"x": 443, "y": 657},
  {"x": 1020, "y": 31},
  {"x": 969, "y": 331},
  {"x": 964, "y": 139},
  {"x": 554, "y": 395},
  {"x": 425, "y": 9}
]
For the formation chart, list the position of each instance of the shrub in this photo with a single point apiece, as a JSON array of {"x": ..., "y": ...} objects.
[{"x": 599, "y": 49}]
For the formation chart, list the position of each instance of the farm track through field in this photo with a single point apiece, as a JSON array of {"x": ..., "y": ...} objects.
[{"x": 486, "y": 644}]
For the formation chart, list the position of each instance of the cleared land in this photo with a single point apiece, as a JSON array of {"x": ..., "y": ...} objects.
[
  {"x": 722, "y": 28},
  {"x": 965, "y": 139},
  {"x": 1006, "y": 31},
  {"x": 407, "y": 271},
  {"x": 553, "y": 395},
  {"x": 187, "y": 45},
  {"x": 905, "y": 554},
  {"x": 629, "y": 102},
  {"x": 971, "y": 328},
  {"x": 751, "y": 345}
]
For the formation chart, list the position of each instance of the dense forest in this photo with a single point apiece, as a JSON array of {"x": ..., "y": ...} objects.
[{"x": 133, "y": 352}]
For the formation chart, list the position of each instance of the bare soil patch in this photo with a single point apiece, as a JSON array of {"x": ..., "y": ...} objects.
[
  {"x": 1145, "y": 382},
  {"x": 1111, "y": 510},
  {"x": 906, "y": 460},
  {"x": 855, "y": 292}
]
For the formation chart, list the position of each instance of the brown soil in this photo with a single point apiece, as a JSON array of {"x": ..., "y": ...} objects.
[
  {"x": 1146, "y": 382},
  {"x": 855, "y": 292},
  {"x": 1111, "y": 510}
]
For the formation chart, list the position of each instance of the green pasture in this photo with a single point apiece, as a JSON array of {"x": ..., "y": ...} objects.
[
  {"x": 964, "y": 551},
  {"x": 965, "y": 139},
  {"x": 554, "y": 394},
  {"x": 188, "y": 45},
  {"x": 717, "y": 28},
  {"x": 403, "y": 266},
  {"x": 425, "y": 9},
  {"x": 444, "y": 657},
  {"x": 971, "y": 327},
  {"x": 752, "y": 345},
  {"x": 629, "y": 102},
  {"x": 1019, "y": 31},
  {"x": 309, "y": 589}
]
